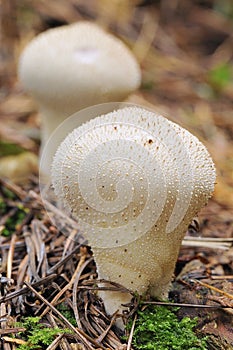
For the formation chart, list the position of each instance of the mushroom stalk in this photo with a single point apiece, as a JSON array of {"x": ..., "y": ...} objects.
[
  {"x": 50, "y": 119},
  {"x": 134, "y": 181}
]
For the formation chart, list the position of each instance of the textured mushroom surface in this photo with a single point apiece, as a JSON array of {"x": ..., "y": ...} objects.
[
  {"x": 71, "y": 67},
  {"x": 134, "y": 181}
]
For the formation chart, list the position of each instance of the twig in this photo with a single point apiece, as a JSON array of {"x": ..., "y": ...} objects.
[
  {"x": 225, "y": 277},
  {"x": 63, "y": 342},
  {"x": 24, "y": 290},
  {"x": 228, "y": 295},
  {"x": 106, "y": 331},
  {"x": 14, "y": 188},
  {"x": 10, "y": 255},
  {"x": 53, "y": 209},
  {"x": 131, "y": 333},
  {"x": 55, "y": 343},
  {"x": 5, "y": 217},
  {"x": 64, "y": 260},
  {"x": 183, "y": 305},
  {"x": 82, "y": 335},
  {"x": 209, "y": 239},
  {"x": 208, "y": 242},
  {"x": 70, "y": 239},
  {"x": 14, "y": 340},
  {"x": 39, "y": 244},
  {"x": 11, "y": 330},
  {"x": 69, "y": 285},
  {"x": 116, "y": 287},
  {"x": 75, "y": 286},
  {"x": 31, "y": 254}
]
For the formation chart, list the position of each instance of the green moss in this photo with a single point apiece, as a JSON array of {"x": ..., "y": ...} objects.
[
  {"x": 224, "y": 7},
  {"x": 36, "y": 335},
  {"x": 158, "y": 328},
  {"x": 220, "y": 76},
  {"x": 9, "y": 201},
  {"x": 8, "y": 193},
  {"x": 7, "y": 149},
  {"x": 147, "y": 85},
  {"x": 3, "y": 206},
  {"x": 14, "y": 220},
  {"x": 67, "y": 313}
]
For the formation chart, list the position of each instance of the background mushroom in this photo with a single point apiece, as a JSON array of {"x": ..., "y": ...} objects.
[
  {"x": 74, "y": 66},
  {"x": 134, "y": 181}
]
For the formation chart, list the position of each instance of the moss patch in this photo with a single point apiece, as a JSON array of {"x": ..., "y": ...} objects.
[{"x": 158, "y": 328}]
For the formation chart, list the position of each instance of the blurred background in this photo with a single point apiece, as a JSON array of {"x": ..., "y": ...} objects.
[{"x": 185, "y": 50}]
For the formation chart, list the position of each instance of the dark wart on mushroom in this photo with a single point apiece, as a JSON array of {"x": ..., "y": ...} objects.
[
  {"x": 134, "y": 181},
  {"x": 75, "y": 66}
]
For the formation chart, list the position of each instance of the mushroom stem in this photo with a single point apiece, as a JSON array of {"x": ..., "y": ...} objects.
[
  {"x": 50, "y": 119},
  {"x": 128, "y": 265},
  {"x": 67, "y": 125}
]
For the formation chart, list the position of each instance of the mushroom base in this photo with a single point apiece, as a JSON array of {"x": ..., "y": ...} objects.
[{"x": 139, "y": 268}]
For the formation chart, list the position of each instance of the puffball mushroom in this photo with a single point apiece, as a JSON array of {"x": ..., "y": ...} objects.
[
  {"x": 71, "y": 67},
  {"x": 134, "y": 181}
]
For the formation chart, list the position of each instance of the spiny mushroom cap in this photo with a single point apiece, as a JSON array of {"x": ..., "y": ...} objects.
[
  {"x": 78, "y": 65},
  {"x": 132, "y": 173}
]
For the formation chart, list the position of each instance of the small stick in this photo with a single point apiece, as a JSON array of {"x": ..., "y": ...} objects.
[
  {"x": 10, "y": 255},
  {"x": 75, "y": 286},
  {"x": 54, "y": 209},
  {"x": 12, "y": 330},
  {"x": 226, "y": 277},
  {"x": 64, "y": 260},
  {"x": 55, "y": 343},
  {"x": 228, "y": 295},
  {"x": 184, "y": 305},
  {"x": 7, "y": 216},
  {"x": 14, "y": 188},
  {"x": 208, "y": 242},
  {"x": 82, "y": 335},
  {"x": 106, "y": 331},
  {"x": 70, "y": 284},
  {"x": 25, "y": 289},
  {"x": 14, "y": 340},
  {"x": 131, "y": 333}
]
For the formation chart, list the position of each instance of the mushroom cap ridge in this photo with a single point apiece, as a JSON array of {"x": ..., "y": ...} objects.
[{"x": 124, "y": 171}]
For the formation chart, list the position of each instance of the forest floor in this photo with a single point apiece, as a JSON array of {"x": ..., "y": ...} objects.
[{"x": 185, "y": 52}]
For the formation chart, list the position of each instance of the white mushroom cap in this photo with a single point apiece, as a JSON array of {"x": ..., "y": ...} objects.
[
  {"x": 134, "y": 180},
  {"x": 74, "y": 66}
]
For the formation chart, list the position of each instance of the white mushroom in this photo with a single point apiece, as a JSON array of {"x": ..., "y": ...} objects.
[
  {"x": 134, "y": 181},
  {"x": 71, "y": 67}
]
